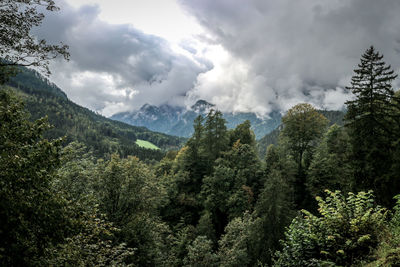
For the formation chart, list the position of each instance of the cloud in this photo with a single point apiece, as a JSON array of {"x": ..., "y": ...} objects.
[
  {"x": 117, "y": 67},
  {"x": 280, "y": 53}
]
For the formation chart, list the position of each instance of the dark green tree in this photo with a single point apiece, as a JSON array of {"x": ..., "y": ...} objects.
[
  {"x": 274, "y": 208},
  {"x": 195, "y": 161},
  {"x": 228, "y": 191},
  {"x": 200, "y": 253},
  {"x": 243, "y": 133},
  {"x": 302, "y": 127},
  {"x": 215, "y": 139},
  {"x": 33, "y": 216},
  {"x": 129, "y": 195},
  {"x": 331, "y": 167},
  {"x": 235, "y": 246},
  {"x": 275, "y": 212},
  {"x": 369, "y": 120}
]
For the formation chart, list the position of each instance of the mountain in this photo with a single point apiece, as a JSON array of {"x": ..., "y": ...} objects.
[
  {"x": 102, "y": 135},
  {"x": 179, "y": 121}
]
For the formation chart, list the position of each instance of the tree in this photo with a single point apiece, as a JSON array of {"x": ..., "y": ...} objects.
[
  {"x": 331, "y": 167},
  {"x": 216, "y": 139},
  {"x": 18, "y": 46},
  {"x": 370, "y": 118},
  {"x": 302, "y": 125},
  {"x": 243, "y": 133},
  {"x": 130, "y": 195},
  {"x": 33, "y": 216},
  {"x": 200, "y": 253},
  {"x": 228, "y": 191},
  {"x": 275, "y": 211},
  {"x": 235, "y": 246},
  {"x": 194, "y": 160}
]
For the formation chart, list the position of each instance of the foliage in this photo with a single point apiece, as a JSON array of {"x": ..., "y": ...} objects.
[
  {"x": 18, "y": 46},
  {"x": 33, "y": 215},
  {"x": 235, "y": 245},
  {"x": 331, "y": 167},
  {"x": 92, "y": 246},
  {"x": 275, "y": 211},
  {"x": 213, "y": 202},
  {"x": 200, "y": 253},
  {"x": 346, "y": 232},
  {"x": 129, "y": 195},
  {"x": 302, "y": 127},
  {"x": 302, "y": 124},
  {"x": 388, "y": 251},
  {"x": 228, "y": 191},
  {"x": 370, "y": 120},
  {"x": 76, "y": 123}
]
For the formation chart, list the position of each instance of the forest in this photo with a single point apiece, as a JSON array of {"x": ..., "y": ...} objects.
[
  {"x": 76, "y": 189},
  {"x": 104, "y": 136},
  {"x": 322, "y": 196}
]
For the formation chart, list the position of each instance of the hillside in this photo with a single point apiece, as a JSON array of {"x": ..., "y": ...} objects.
[
  {"x": 179, "y": 121},
  {"x": 102, "y": 135}
]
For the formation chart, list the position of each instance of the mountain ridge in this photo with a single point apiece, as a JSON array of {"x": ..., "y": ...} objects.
[
  {"x": 100, "y": 134},
  {"x": 178, "y": 121}
]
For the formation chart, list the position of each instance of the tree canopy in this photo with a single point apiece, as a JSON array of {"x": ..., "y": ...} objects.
[{"x": 18, "y": 46}]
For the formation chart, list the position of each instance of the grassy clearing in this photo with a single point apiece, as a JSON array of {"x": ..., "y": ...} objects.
[{"x": 146, "y": 144}]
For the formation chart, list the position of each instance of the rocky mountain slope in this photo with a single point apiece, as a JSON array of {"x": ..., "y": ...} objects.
[{"x": 179, "y": 121}]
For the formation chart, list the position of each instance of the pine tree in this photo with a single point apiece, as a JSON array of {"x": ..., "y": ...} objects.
[
  {"x": 370, "y": 118},
  {"x": 372, "y": 87},
  {"x": 216, "y": 139}
]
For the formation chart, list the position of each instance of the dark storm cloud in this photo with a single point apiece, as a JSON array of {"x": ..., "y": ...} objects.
[
  {"x": 303, "y": 50},
  {"x": 116, "y": 67}
]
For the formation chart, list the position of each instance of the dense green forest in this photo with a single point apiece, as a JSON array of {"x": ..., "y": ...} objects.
[
  {"x": 102, "y": 135},
  {"x": 323, "y": 195}
]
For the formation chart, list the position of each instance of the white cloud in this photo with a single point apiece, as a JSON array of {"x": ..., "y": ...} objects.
[
  {"x": 116, "y": 67},
  {"x": 298, "y": 51},
  {"x": 250, "y": 55}
]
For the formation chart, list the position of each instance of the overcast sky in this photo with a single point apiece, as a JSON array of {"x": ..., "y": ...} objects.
[{"x": 253, "y": 55}]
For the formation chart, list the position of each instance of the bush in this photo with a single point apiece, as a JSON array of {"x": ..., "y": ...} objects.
[{"x": 346, "y": 232}]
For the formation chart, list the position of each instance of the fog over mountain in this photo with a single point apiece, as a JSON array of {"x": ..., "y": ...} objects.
[
  {"x": 178, "y": 121},
  {"x": 252, "y": 56}
]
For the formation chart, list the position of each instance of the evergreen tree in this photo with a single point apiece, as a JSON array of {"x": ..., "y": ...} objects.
[
  {"x": 228, "y": 191},
  {"x": 195, "y": 162},
  {"x": 215, "y": 138},
  {"x": 331, "y": 167},
  {"x": 370, "y": 118}
]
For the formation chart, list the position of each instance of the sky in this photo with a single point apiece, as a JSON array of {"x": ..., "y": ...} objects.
[{"x": 241, "y": 55}]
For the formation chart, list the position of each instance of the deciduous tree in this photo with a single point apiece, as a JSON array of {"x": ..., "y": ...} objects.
[{"x": 18, "y": 46}]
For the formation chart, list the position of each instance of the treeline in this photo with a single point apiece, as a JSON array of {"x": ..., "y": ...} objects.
[
  {"x": 213, "y": 202},
  {"x": 102, "y": 135}
]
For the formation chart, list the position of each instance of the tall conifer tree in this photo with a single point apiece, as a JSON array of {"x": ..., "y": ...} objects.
[{"x": 369, "y": 119}]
